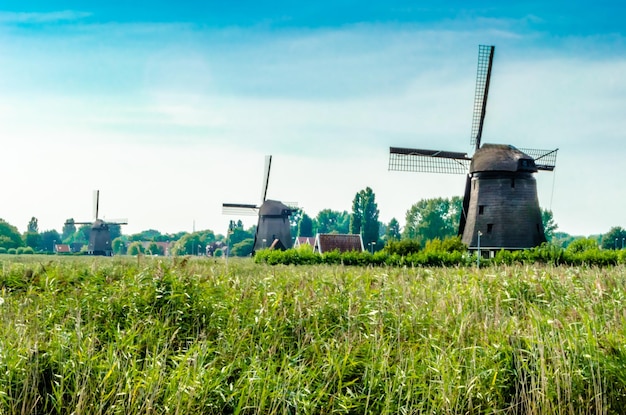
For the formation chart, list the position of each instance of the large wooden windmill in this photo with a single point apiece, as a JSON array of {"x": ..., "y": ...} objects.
[
  {"x": 500, "y": 205},
  {"x": 99, "y": 235},
  {"x": 273, "y": 228}
]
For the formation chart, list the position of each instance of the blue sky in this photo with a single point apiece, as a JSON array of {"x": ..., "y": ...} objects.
[{"x": 169, "y": 110}]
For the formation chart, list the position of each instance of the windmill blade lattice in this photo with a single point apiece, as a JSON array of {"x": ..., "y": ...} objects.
[
  {"x": 544, "y": 159},
  {"x": 239, "y": 209},
  {"x": 483, "y": 77},
  {"x": 427, "y": 161},
  {"x": 266, "y": 177}
]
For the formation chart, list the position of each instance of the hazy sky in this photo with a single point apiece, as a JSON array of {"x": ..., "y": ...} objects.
[{"x": 169, "y": 108}]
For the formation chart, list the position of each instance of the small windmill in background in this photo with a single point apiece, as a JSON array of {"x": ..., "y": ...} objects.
[
  {"x": 500, "y": 203},
  {"x": 273, "y": 228},
  {"x": 100, "y": 234}
]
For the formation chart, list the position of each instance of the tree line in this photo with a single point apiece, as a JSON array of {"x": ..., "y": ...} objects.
[{"x": 426, "y": 220}]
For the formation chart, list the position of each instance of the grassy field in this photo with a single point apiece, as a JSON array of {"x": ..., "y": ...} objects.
[{"x": 190, "y": 335}]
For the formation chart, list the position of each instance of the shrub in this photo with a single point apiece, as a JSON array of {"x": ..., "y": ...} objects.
[
  {"x": 3, "y": 250},
  {"x": 403, "y": 247},
  {"x": 581, "y": 245},
  {"x": 12, "y": 251}
]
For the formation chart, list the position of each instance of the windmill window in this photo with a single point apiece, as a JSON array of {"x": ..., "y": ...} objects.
[
  {"x": 489, "y": 227},
  {"x": 481, "y": 209}
]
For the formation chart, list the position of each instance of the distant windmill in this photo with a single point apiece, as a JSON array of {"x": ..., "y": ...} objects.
[
  {"x": 500, "y": 204},
  {"x": 273, "y": 228},
  {"x": 99, "y": 235}
]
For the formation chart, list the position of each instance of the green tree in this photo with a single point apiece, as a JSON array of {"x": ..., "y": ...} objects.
[
  {"x": 332, "y": 221},
  {"x": 32, "y": 240},
  {"x": 193, "y": 243},
  {"x": 237, "y": 233},
  {"x": 69, "y": 228},
  {"x": 582, "y": 244},
  {"x": 48, "y": 239},
  {"x": 614, "y": 239},
  {"x": 9, "y": 236},
  {"x": 135, "y": 248},
  {"x": 243, "y": 248},
  {"x": 155, "y": 249},
  {"x": 115, "y": 230},
  {"x": 549, "y": 226},
  {"x": 33, "y": 225},
  {"x": 364, "y": 219},
  {"x": 433, "y": 218},
  {"x": 119, "y": 246},
  {"x": 294, "y": 220},
  {"x": 305, "y": 227},
  {"x": 393, "y": 230}
]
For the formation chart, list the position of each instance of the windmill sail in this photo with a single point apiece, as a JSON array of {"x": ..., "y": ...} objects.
[
  {"x": 266, "y": 177},
  {"x": 483, "y": 77},
  {"x": 427, "y": 161},
  {"x": 239, "y": 209},
  {"x": 544, "y": 159}
]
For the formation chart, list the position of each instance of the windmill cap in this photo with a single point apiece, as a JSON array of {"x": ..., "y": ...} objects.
[
  {"x": 501, "y": 157},
  {"x": 274, "y": 208}
]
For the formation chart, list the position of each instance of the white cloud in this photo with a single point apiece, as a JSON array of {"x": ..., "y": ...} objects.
[
  {"x": 170, "y": 124},
  {"x": 33, "y": 17}
]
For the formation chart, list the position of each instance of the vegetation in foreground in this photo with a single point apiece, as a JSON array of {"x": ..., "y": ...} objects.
[{"x": 144, "y": 335}]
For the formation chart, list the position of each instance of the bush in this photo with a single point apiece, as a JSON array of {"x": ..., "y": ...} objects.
[
  {"x": 12, "y": 251},
  {"x": 450, "y": 244},
  {"x": 3, "y": 250},
  {"x": 582, "y": 245},
  {"x": 403, "y": 247}
]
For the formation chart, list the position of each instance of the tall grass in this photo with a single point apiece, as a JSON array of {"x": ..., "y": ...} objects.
[{"x": 142, "y": 336}]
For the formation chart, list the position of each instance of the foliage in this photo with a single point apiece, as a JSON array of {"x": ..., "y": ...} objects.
[
  {"x": 549, "y": 225},
  {"x": 48, "y": 239},
  {"x": 332, "y": 221},
  {"x": 433, "y": 218},
  {"x": 294, "y": 221},
  {"x": 450, "y": 244},
  {"x": 9, "y": 236},
  {"x": 243, "y": 248},
  {"x": 238, "y": 234},
  {"x": 403, "y": 247},
  {"x": 305, "y": 226},
  {"x": 393, "y": 230},
  {"x": 614, "y": 239},
  {"x": 155, "y": 249},
  {"x": 32, "y": 240},
  {"x": 135, "y": 248},
  {"x": 119, "y": 246},
  {"x": 364, "y": 218},
  {"x": 193, "y": 243},
  {"x": 33, "y": 225},
  {"x": 69, "y": 228},
  {"x": 582, "y": 245}
]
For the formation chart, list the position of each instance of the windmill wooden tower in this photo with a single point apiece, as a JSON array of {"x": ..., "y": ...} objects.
[
  {"x": 99, "y": 235},
  {"x": 273, "y": 228},
  {"x": 500, "y": 203}
]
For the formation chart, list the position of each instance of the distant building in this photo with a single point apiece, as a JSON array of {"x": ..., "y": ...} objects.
[
  {"x": 304, "y": 240},
  {"x": 327, "y": 242},
  {"x": 62, "y": 249}
]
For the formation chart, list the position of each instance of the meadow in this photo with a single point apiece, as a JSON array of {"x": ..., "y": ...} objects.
[{"x": 186, "y": 335}]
